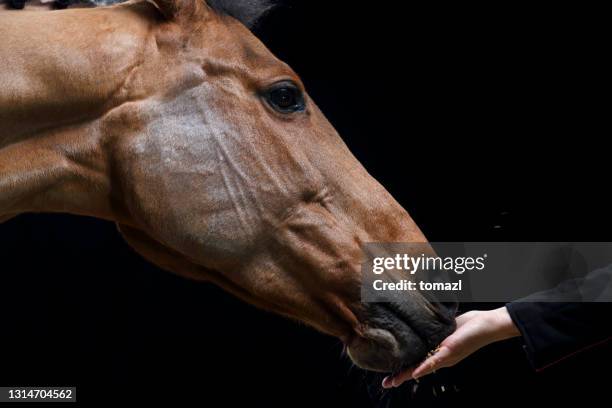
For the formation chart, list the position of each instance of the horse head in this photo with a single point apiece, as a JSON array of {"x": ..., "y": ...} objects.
[{"x": 218, "y": 166}]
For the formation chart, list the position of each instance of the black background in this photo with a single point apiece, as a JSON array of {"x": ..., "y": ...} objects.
[{"x": 486, "y": 123}]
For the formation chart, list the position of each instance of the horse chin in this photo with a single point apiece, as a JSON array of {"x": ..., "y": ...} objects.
[{"x": 380, "y": 350}]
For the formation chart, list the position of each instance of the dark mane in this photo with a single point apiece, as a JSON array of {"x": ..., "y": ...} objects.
[{"x": 248, "y": 12}]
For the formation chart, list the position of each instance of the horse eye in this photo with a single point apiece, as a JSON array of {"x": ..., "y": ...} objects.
[{"x": 285, "y": 97}]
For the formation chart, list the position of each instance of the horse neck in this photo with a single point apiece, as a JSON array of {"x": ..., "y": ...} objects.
[
  {"x": 52, "y": 155},
  {"x": 63, "y": 170}
]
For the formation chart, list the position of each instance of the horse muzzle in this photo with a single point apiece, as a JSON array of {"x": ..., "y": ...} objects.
[{"x": 399, "y": 335}]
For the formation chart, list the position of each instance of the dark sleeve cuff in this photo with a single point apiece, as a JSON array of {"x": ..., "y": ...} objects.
[{"x": 553, "y": 332}]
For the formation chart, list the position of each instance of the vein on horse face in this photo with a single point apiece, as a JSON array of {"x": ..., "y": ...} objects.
[{"x": 234, "y": 189}]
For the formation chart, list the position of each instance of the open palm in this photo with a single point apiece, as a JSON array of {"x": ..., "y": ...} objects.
[{"x": 475, "y": 329}]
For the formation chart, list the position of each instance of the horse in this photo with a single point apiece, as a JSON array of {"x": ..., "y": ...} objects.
[{"x": 172, "y": 120}]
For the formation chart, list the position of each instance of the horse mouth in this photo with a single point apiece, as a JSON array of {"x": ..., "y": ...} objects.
[{"x": 397, "y": 337}]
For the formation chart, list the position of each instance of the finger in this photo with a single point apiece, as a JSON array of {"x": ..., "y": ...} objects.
[
  {"x": 433, "y": 363},
  {"x": 397, "y": 379},
  {"x": 400, "y": 378}
]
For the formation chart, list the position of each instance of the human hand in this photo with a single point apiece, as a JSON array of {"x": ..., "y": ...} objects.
[{"x": 475, "y": 329}]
